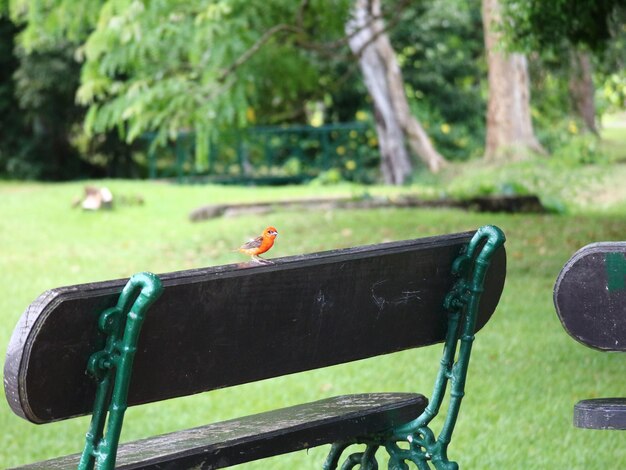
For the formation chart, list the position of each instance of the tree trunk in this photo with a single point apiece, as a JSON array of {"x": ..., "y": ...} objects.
[
  {"x": 394, "y": 123},
  {"x": 581, "y": 88},
  {"x": 510, "y": 134}
]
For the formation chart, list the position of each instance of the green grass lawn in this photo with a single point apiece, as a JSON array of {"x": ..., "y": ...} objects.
[{"x": 525, "y": 375}]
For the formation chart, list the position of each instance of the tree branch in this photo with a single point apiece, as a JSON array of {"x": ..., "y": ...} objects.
[
  {"x": 328, "y": 49},
  {"x": 243, "y": 58},
  {"x": 395, "y": 19},
  {"x": 300, "y": 14}
]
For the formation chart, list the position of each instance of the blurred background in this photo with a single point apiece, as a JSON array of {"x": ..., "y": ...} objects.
[{"x": 160, "y": 135}]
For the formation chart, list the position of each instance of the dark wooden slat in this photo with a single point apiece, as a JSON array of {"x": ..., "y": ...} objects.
[
  {"x": 233, "y": 324},
  {"x": 601, "y": 413},
  {"x": 254, "y": 437},
  {"x": 590, "y": 296}
]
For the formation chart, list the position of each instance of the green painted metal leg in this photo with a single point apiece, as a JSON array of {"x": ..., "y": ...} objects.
[
  {"x": 112, "y": 369},
  {"x": 461, "y": 303}
]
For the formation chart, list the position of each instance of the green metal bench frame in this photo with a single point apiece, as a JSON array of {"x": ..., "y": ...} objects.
[{"x": 112, "y": 369}]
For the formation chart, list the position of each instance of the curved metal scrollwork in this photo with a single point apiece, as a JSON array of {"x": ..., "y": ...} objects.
[
  {"x": 423, "y": 448},
  {"x": 366, "y": 460}
]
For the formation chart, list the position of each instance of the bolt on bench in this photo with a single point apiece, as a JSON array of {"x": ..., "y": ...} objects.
[
  {"x": 590, "y": 300},
  {"x": 160, "y": 337}
]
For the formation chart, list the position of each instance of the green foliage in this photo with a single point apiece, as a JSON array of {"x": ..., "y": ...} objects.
[
  {"x": 172, "y": 65},
  {"x": 439, "y": 46},
  {"x": 46, "y": 83},
  {"x": 563, "y": 182},
  {"x": 564, "y": 136},
  {"x": 613, "y": 92},
  {"x": 210, "y": 66},
  {"x": 48, "y": 22},
  {"x": 190, "y": 71},
  {"x": 550, "y": 31},
  {"x": 40, "y": 122},
  {"x": 551, "y": 102},
  {"x": 37, "y": 109},
  {"x": 328, "y": 177},
  {"x": 580, "y": 150},
  {"x": 457, "y": 139},
  {"x": 539, "y": 24},
  {"x": 583, "y": 172},
  {"x": 12, "y": 127},
  {"x": 441, "y": 55},
  {"x": 293, "y": 166}
]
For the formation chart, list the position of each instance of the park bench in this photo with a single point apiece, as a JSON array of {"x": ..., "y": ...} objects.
[
  {"x": 210, "y": 328},
  {"x": 590, "y": 300}
]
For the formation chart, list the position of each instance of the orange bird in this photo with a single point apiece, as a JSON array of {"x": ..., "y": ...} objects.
[{"x": 260, "y": 245}]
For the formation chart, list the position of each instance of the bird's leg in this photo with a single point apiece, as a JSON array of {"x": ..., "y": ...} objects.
[{"x": 258, "y": 259}]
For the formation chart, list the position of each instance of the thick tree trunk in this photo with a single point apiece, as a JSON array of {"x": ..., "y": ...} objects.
[
  {"x": 394, "y": 123},
  {"x": 510, "y": 134},
  {"x": 581, "y": 88}
]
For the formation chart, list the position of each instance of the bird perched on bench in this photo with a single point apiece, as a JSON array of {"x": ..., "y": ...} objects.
[{"x": 260, "y": 245}]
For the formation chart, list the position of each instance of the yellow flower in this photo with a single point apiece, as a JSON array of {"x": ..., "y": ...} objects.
[
  {"x": 341, "y": 150},
  {"x": 373, "y": 141},
  {"x": 250, "y": 115},
  {"x": 445, "y": 128},
  {"x": 351, "y": 165},
  {"x": 572, "y": 127},
  {"x": 361, "y": 116},
  {"x": 317, "y": 120}
]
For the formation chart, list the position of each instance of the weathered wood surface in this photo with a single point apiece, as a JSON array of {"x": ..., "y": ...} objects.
[
  {"x": 590, "y": 296},
  {"x": 226, "y": 325},
  {"x": 254, "y": 437},
  {"x": 601, "y": 413}
]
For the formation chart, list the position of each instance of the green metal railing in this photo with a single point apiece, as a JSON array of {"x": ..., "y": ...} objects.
[{"x": 291, "y": 153}]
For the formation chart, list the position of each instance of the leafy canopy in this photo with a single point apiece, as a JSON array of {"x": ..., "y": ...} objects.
[
  {"x": 539, "y": 24},
  {"x": 170, "y": 65}
]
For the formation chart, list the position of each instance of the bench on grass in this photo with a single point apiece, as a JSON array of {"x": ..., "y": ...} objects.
[
  {"x": 590, "y": 300},
  {"x": 205, "y": 329}
]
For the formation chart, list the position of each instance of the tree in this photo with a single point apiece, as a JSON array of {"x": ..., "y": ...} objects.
[
  {"x": 12, "y": 127},
  {"x": 172, "y": 65},
  {"x": 41, "y": 137},
  {"x": 578, "y": 28},
  {"x": 37, "y": 109},
  {"x": 440, "y": 48},
  {"x": 538, "y": 24},
  {"x": 510, "y": 133},
  {"x": 581, "y": 88},
  {"x": 46, "y": 84},
  {"x": 383, "y": 78}
]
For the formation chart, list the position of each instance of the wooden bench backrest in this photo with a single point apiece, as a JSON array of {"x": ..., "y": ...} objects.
[
  {"x": 590, "y": 296},
  {"x": 228, "y": 325}
]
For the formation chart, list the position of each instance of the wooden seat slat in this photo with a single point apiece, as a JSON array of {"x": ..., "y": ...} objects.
[
  {"x": 601, "y": 413},
  {"x": 262, "y": 435}
]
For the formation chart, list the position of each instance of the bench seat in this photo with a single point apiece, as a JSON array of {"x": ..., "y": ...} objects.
[{"x": 262, "y": 435}]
